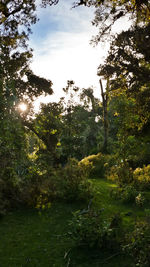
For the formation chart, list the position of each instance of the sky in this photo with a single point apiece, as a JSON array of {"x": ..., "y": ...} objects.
[{"x": 62, "y": 50}]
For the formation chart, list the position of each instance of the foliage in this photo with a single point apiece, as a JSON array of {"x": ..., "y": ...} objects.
[
  {"x": 130, "y": 142},
  {"x": 96, "y": 164},
  {"x": 128, "y": 67},
  {"x": 15, "y": 26},
  {"x": 88, "y": 228},
  {"x": 109, "y": 12},
  {"x": 47, "y": 126},
  {"x": 74, "y": 181},
  {"x": 14, "y": 13},
  {"x": 34, "y": 190},
  {"x": 121, "y": 173},
  {"x": 141, "y": 177},
  {"x": 17, "y": 83},
  {"x": 130, "y": 189},
  {"x": 140, "y": 200},
  {"x": 79, "y": 125},
  {"x": 131, "y": 183},
  {"x": 138, "y": 244},
  {"x": 127, "y": 194},
  {"x": 44, "y": 170},
  {"x": 13, "y": 159},
  {"x": 67, "y": 183}
]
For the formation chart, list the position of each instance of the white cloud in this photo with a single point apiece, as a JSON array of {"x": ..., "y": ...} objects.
[
  {"x": 71, "y": 59},
  {"x": 66, "y": 54}
]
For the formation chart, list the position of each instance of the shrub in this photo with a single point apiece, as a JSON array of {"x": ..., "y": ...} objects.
[
  {"x": 74, "y": 181},
  {"x": 124, "y": 173},
  {"x": 68, "y": 183},
  {"x": 9, "y": 191},
  {"x": 88, "y": 228},
  {"x": 127, "y": 194},
  {"x": 96, "y": 165},
  {"x": 112, "y": 175},
  {"x": 141, "y": 177},
  {"x": 138, "y": 244},
  {"x": 121, "y": 173},
  {"x": 34, "y": 189},
  {"x": 140, "y": 200}
]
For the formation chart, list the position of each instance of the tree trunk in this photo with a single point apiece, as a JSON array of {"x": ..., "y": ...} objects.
[{"x": 105, "y": 114}]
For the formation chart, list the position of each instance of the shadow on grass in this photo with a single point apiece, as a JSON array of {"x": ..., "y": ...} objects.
[{"x": 85, "y": 257}]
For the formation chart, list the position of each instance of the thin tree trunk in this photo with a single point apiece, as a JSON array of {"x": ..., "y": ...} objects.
[{"x": 105, "y": 115}]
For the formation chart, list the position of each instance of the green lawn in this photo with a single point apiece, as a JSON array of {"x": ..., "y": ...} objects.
[
  {"x": 129, "y": 212},
  {"x": 32, "y": 239}
]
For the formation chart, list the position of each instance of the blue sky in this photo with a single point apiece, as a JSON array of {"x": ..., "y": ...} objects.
[{"x": 61, "y": 47}]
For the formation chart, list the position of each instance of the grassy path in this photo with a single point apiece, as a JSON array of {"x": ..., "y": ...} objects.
[{"x": 130, "y": 212}]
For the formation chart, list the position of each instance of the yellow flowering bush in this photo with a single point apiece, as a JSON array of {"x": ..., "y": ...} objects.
[
  {"x": 97, "y": 164},
  {"x": 141, "y": 176}
]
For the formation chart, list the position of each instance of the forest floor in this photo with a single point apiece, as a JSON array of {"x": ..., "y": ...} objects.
[{"x": 30, "y": 238}]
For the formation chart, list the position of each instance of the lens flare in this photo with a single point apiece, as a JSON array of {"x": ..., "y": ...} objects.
[{"x": 23, "y": 107}]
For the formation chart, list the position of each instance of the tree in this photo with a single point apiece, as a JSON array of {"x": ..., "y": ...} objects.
[
  {"x": 16, "y": 18},
  {"x": 80, "y": 124},
  {"x": 104, "y": 96},
  {"x": 128, "y": 67},
  {"x": 47, "y": 126},
  {"x": 15, "y": 13},
  {"x": 109, "y": 11},
  {"x": 17, "y": 83}
]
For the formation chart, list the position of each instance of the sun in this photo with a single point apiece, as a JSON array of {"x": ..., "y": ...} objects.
[{"x": 23, "y": 107}]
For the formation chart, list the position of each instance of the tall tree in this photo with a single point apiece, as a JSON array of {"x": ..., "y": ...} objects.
[
  {"x": 80, "y": 125},
  {"x": 128, "y": 67},
  {"x": 104, "y": 96},
  {"x": 16, "y": 83},
  {"x": 108, "y": 12}
]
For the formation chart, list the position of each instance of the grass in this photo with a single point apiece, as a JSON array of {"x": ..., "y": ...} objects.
[
  {"x": 130, "y": 212},
  {"x": 32, "y": 239}
]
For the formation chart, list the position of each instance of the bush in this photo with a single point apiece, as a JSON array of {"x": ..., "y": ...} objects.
[
  {"x": 10, "y": 191},
  {"x": 138, "y": 244},
  {"x": 74, "y": 183},
  {"x": 35, "y": 190},
  {"x": 124, "y": 173},
  {"x": 126, "y": 194},
  {"x": 96, "y": 164},
  {"x": 140, "y": 200},
  {"x": 141, "y": 177},
  {"x": 68, "y": 183},
  {"x": 88, "y": 228}
]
